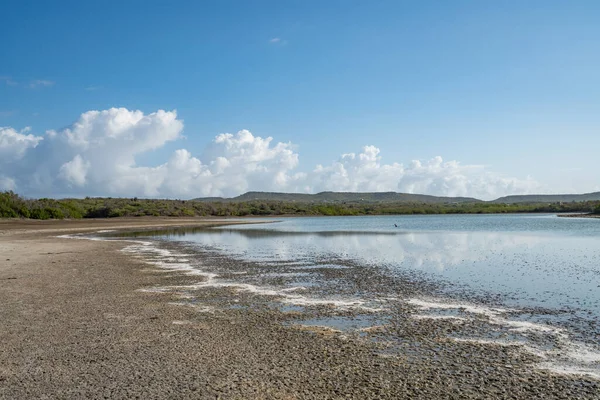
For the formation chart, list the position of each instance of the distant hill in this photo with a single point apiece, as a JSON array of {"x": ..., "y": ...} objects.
[
  {"x": 339, "y": 197},
  {"x": 394, "y": 197},
  {"x": 549, "y": 198}
]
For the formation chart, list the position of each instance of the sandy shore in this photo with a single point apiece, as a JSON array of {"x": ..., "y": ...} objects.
[{"x": 74, "y": 324}]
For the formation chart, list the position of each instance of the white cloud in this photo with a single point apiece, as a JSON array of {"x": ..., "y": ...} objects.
[
  {"x": 40, "y": 83},
  {"x": 125, "y": 132},
  {"x": 8, "y": 80},
  {"x": 277, "y": 41},
  {"x": 96, "y": 155},
  {"x": 361, "y": 172},
  {"x": 453, "y": 179},
  {"x": 13, "y": 144},
  {"x": 364, "y": 172},
  {"x": 74, "y": 172}
]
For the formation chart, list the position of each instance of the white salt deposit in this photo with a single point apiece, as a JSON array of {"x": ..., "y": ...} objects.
[
  {"x": 171, "y": 261},
  {"x": 565, "y": 357},
  {"x": 470, "y": 308},
  {"x": 452, "y": 318}
]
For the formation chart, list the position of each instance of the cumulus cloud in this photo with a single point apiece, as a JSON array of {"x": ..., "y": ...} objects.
[
  {"x": 14, "y": 144},
  {"x": 364, "y": 172},
  {"x": 96, "y": 155},
  {"x": 453, "y": 179},
  {"x": 75, "y": 171}
]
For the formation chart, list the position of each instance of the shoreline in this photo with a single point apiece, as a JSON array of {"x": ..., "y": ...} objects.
[
  {"x": 34, "y": 226},
  {"x": 77, "y": 323},
  {"x": 588, "y": 215}
]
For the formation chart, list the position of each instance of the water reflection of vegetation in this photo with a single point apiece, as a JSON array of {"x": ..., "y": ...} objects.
[{"x": 249, "y": 233}]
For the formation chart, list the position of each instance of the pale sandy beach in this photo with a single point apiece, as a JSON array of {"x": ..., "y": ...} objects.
[{"x": 74, "y": 324}]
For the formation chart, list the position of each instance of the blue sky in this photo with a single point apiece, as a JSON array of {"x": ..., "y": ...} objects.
[{"x": 510, "y": 90}]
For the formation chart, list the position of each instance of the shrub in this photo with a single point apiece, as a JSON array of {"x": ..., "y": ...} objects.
[
  {"x": 7, "y": 212},
  {"x": 54, "y": 213},
  {"x": 103, "y": 212},
  {"x": 39, "y": 213}
]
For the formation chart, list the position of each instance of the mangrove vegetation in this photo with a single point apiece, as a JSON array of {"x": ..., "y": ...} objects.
[{"x": 15, "y": 206}]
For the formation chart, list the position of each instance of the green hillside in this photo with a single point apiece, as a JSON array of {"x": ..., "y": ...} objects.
[{"x": 335, "y": 197}]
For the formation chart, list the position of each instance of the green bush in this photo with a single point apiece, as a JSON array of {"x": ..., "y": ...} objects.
[
  {"x": 39, "y": 213},
  {"x": 7, "y": 212},
  {"x": 10, "y": 205},
  {"x": 55, "y": 213},
  {"x": 102, "y": 212}
]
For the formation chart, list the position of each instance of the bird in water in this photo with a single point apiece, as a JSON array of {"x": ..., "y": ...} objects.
[{"x": 396, "y": 225}]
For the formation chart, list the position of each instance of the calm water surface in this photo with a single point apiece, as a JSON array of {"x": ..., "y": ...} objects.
[
  {"x": 532, "y": 260},
  {"x": 531, "y": 280}
]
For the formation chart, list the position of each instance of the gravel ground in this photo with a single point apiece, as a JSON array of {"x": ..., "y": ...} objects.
[{"x": 75, "y": 324}]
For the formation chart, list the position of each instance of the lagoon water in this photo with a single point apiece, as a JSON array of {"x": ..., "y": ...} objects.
[
  {"x": 530, "y": 260},
  {"x": 531, "y": 280}
]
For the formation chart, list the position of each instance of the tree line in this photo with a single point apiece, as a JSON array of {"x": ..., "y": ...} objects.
[{"x": 14, "y": 206}]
